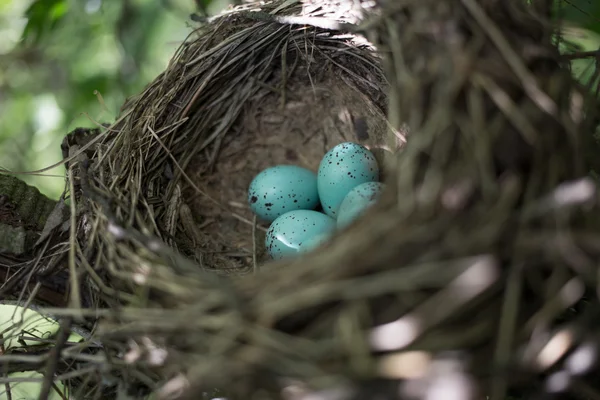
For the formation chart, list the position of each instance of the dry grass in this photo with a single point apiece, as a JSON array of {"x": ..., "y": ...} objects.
[{"x": 465, "y": 270}]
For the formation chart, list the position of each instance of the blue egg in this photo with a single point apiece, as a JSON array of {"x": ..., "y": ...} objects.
[
  {"x": 343, "y": 168},
  {"x": 288, "y": 232},
  {"x": 283, "y": 188},
  {"x": 314, "y": 242},
  {"x": 357, "y": 201}
]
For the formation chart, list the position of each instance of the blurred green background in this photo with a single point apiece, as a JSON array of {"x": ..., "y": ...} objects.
[
  {"x": 55, "y": 55},
  {"x": 67, "y": 63}
]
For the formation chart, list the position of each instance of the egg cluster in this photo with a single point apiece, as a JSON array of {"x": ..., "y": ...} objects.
[{"x": 289, "y": 197}]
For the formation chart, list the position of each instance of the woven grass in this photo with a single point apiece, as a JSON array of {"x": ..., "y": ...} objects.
[
  {"x": 241, "y": 95},
  {"x": 473, "y": 276}
]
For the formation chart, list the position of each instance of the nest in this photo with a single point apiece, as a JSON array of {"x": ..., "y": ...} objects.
[
  {"x": 465, "y": 273},
  {"x": 240, "y": 96}
]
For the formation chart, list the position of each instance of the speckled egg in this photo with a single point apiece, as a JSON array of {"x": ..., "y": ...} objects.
[
  {"x": 343, "y": 168},
  {"x": 314, "y": 242},
  {"x": 289, "y": 231},
  {"x": 357, "y": 201},
  {"x": 283, "y": 188}
]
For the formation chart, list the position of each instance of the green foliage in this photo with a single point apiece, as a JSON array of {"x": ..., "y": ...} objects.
[
  {"x": 65, "y": 64},
  {"x": 581, "y": 41},
  {"x": 580, "y": 33},
  {"x": 42, "y": 18},
  {"x": 582, "y": 13}
]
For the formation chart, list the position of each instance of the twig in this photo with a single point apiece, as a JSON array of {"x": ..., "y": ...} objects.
[
  {"x": 581, "y": 10},
  {"x": 582, "y": 54},
  {"x": 508, "y": 320},
  {"x": 254, "y": 262},
  {"x": 75, "y": 296},
  {"x": 54, "y": 357},
  {"x": 539, "y": 97}
]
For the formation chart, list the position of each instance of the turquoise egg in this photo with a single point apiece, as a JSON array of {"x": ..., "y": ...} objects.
[
  {"x": 314, "y": 242},
  {"x": 357, "y": 201},
  {"x": 289, "y": 231},
  {"x": 343, "y": 168},
  {"x": 283, "y": 188}
]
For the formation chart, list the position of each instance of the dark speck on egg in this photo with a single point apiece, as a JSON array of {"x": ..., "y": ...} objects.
[{"x": 282, "y": 188}]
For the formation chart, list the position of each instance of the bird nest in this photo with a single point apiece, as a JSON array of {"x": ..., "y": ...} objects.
[
  {"x": 472, "y": 276},
  {"x": 240, "y": 96}
]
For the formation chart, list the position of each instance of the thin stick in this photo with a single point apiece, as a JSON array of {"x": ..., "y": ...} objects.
[
  {"x": 75, "y": 296},
  {"x": 284, "y": 74},
  {"x": 254, "y": 263},
  {"x": 54, "y": 357},
  {"x": 539, "y": 97},
  {"x": 582, "y": 54},
  {"x": 508, "y": 321}
]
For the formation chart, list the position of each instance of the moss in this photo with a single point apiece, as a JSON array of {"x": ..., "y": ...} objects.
[
  {"x": 16, "y": 240},
  {"x": 32, "y": 207}
]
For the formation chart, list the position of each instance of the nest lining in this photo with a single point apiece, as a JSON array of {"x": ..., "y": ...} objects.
[
  {"x": 241, "y": 95},
  {"x": 322, "y": 105}
]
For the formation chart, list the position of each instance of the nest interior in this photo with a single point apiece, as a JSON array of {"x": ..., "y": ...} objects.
[
  {"x": 242, "y": 95},
  {"x": 327, "y": 97}
]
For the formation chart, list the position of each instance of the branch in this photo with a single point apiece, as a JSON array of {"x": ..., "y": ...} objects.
[
  {"x": 582, "y": 54},
  {"x": 54, "y": 357}
]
